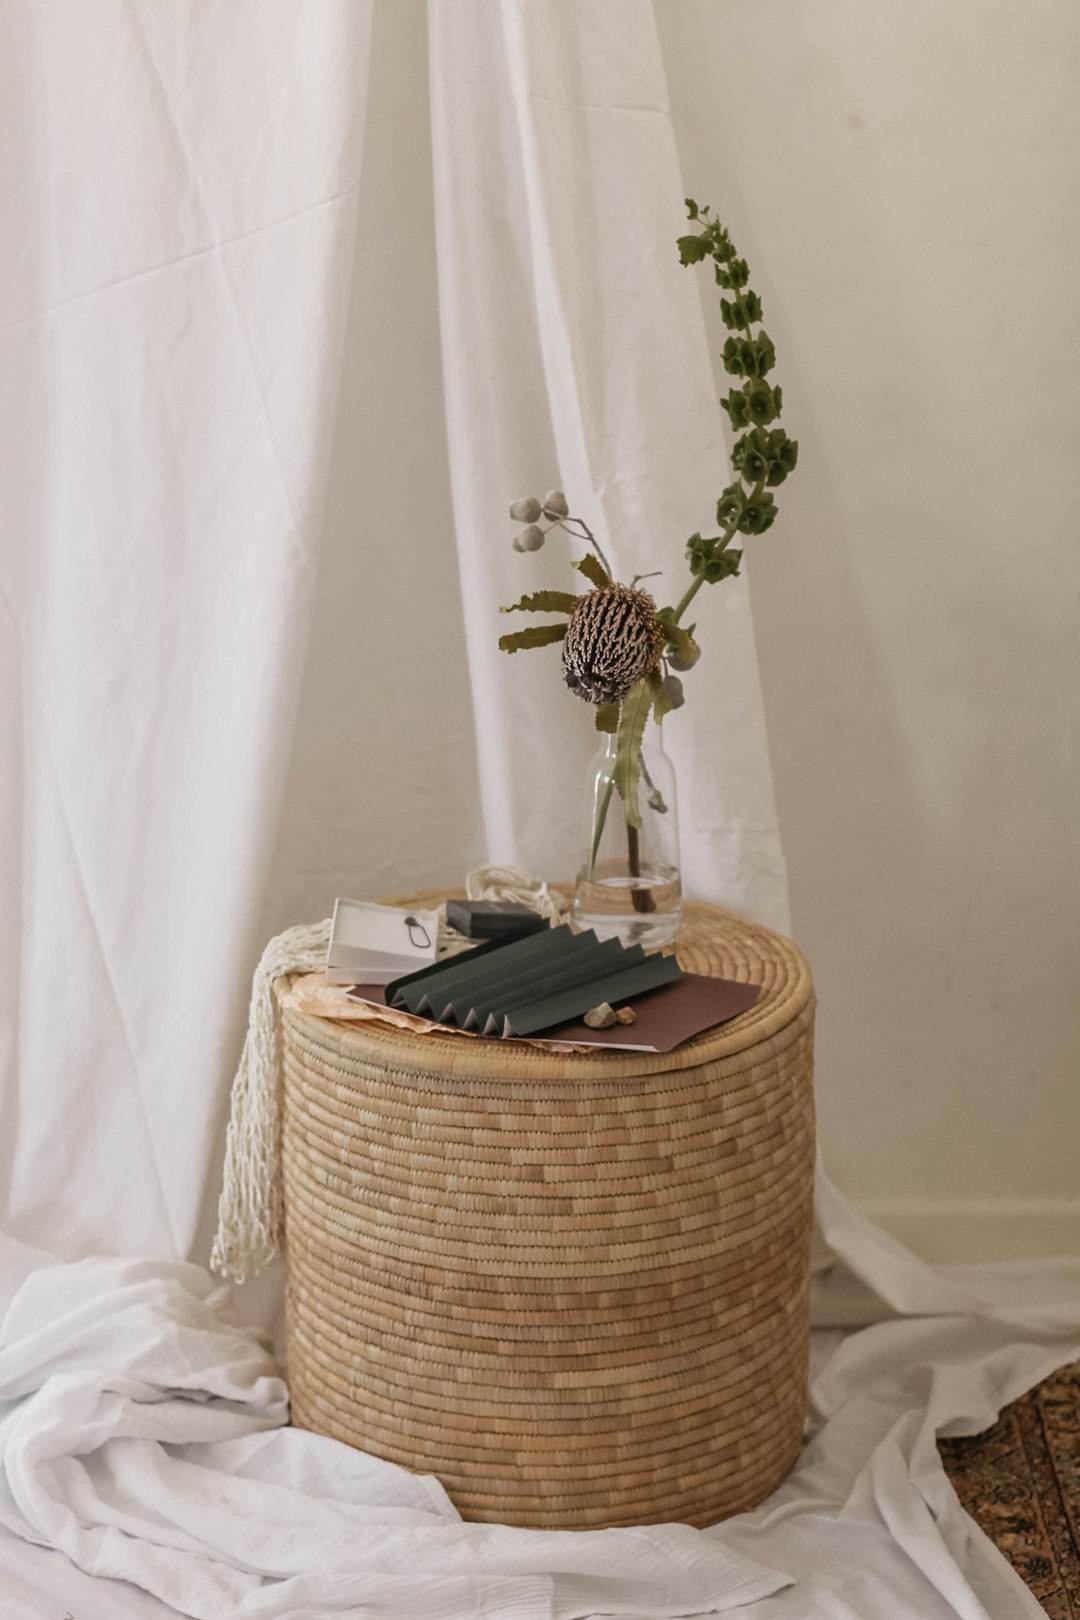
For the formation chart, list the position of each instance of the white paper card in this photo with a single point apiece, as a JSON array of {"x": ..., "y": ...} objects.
[{"x": 372, "y": 944}]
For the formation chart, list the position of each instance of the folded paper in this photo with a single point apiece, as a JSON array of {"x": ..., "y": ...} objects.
[{"x": 531, "y": 984}]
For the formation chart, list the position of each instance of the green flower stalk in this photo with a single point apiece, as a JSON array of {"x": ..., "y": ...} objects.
[
  {"x": 764, "y": 455},
  {"x": 619, "y": 650}
]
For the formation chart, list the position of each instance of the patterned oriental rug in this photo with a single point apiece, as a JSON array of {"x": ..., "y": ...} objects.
[{"x": 1020, "y": 1481}]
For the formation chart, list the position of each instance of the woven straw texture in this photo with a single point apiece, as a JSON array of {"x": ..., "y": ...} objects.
[{"x": 573, "y": 1287}]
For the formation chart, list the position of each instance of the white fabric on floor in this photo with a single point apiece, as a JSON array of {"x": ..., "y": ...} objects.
[
  {"x": 140, "y": 1432},
  {"x": 142, "y": 1436}
]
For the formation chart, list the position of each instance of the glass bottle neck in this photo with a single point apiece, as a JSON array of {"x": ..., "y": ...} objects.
[{"x": 651, "y": 743}]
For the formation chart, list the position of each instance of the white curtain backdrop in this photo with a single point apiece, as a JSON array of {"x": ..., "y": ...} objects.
[
  {"x": 179, "y": 199},
  {"x": 183, "y": 196}
]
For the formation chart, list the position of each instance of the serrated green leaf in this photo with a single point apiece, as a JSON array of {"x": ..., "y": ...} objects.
[
  {"x": 661, "y": 703},
  {"x": 633, "y": 715},
  {"x": 544, "y": 602},
  {"x": 607, "y": 717},
  {"x": 537, "y": 635},
  {"x": 592, "y": 568}
]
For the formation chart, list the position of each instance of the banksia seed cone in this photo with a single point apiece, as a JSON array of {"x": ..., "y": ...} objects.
[{"x": 613, "y": 639}]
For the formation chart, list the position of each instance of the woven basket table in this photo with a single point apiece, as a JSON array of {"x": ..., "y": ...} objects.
[{"x": 573, "y": 1286}]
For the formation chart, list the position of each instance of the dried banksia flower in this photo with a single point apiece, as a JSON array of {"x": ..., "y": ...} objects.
[{"x": 613, "y": 639}]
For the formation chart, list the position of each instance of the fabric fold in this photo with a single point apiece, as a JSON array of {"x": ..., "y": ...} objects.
[
  {"x": 171, "y": 323},
  {"x": 143, "y": 1434}
]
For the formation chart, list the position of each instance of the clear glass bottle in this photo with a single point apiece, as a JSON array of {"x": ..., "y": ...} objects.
[{"x": 629, "y": 885}]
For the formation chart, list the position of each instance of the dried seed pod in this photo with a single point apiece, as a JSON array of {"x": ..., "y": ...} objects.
[
  {"x": 601, "y": 1017},
  {"x": 613, "y": 639},
  {"x": 673, "y": 688},
  {"x": 531, "y": 538},
  {"x": 555, "y": 504},
  {"x": 527, "y": 510},
  {"x": 685, "y": 661}
]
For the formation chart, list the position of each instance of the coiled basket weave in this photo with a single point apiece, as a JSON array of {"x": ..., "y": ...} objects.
[{"x": 572, "y": 1287}]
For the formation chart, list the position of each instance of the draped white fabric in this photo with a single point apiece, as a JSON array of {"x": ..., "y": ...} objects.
[
  {"x": 140, "y": 1432},
  {"x": 221, "y": 1517},
  {"x": 178, "y": 218}
]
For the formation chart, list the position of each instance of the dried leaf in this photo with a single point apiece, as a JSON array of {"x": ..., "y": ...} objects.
[
  {"x": 544, "y": 602},
  {"x": 607, "y": 717},
  {"x": 661, "y": 702},
  {"x": 632, "y": 719},
  {"x": 537, "y": 635},
  {"x": 593, "y": 570}
]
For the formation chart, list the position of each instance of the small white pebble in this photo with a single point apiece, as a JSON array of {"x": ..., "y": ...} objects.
[{"x": 601, "y": 1017}]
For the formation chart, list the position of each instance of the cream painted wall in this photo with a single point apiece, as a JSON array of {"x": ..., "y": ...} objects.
[{"x": 904, "y": 179}]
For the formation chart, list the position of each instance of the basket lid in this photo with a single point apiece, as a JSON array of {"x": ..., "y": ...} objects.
[{"x": 712, "y": 941}]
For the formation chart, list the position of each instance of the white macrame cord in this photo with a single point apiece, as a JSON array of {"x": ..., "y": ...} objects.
[{"x": 250, "y": 1210}]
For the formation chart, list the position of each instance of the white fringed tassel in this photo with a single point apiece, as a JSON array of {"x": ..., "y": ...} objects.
[{"x": 250, "y": 1211}]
